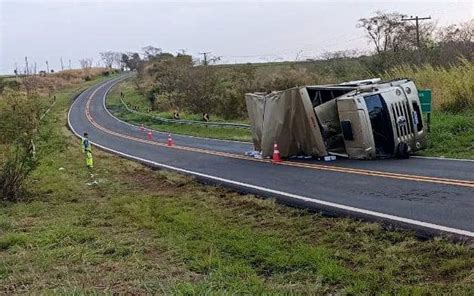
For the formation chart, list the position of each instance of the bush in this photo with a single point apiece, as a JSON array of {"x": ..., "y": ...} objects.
[
  {"x": 9, "y": 83},
  {"x": 19, "y": 119}
]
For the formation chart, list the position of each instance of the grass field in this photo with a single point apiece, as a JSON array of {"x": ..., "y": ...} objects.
[
  {"x": 146, "y": 231},
  {"x": 452, "y": 135}
]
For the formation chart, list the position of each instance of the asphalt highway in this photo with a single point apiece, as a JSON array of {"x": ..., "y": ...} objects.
[{"x": 430, "y": 196}]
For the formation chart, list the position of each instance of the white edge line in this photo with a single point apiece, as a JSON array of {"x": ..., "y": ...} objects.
[
  {"x": 442, "y": 158},
  {"x": 181, "y": 135},
  {"x": 286, "y": 194}
]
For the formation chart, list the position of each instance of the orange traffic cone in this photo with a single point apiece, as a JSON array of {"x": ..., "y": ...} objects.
[
  {"x": 149, "y": 135},
  {"x": 170, "y": 140},
  {"x": 276, "y": 154}
]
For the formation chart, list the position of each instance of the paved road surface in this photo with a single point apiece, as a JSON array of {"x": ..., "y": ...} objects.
[{"x": 428, "y": 195}]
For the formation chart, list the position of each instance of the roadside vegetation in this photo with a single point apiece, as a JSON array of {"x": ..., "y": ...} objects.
[
  {"x": 147, "y": 231},
  {"x": 136, "y": 102}
]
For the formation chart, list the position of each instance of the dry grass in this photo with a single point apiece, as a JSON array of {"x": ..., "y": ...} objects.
[
  {"x": 52, "y": 82},
  {"x": 453, "y": 87}
]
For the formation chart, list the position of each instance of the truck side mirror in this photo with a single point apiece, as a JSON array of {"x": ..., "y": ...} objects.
[{"x": 347, "y": 130}]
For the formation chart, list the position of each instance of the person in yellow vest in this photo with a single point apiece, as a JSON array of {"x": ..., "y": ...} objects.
[{"x": 87, "y": 150}]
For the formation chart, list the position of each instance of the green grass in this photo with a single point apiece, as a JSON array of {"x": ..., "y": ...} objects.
[
  {"x": 133, "y": 98},
  {"x": 146, "y": 231},
  {"x": 452, "y": 135}
]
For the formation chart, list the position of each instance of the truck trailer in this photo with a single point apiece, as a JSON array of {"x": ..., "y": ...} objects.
[{"x": 363, "y": 119}]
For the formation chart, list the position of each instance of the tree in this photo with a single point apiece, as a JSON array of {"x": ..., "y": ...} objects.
[
  {"x": 108, "y": 57},
  {"x": 125, "y": 60},
  {"x": 135, "y": 61},
  {"x": 463, "y": 32},
  {"x": 388, "y": 32},
  {"x": 381, "y": 29},
  {"x": 169, "y": 76},
  {"x": 117, "y": 59},
  {"x": 456, "y": 41},
  {"x": 150, "y": 52},
  {"x": 131, "y": 60},
  {"x": 86, "y": 63}
]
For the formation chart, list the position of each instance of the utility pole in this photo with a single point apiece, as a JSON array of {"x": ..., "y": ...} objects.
[
  {"x": 47, "y": 67},
  {"x": 62, "y": 65},
  {"x": 205, "y": 57},
  {"x": 417, "y": 19},
  {"x": 69, "y": 64},
  {"x": 34, "y": 69},
  {"x": 27, "y": 71}
]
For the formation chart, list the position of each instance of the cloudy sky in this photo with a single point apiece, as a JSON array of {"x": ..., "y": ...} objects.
[{"x": 237, "y": 31}]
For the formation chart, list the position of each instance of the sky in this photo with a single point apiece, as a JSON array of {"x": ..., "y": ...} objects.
[{"x": 236, "y": 31}]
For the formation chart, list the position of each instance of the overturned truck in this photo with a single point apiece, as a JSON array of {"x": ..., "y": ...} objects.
[{"x": 364, "y": 119}]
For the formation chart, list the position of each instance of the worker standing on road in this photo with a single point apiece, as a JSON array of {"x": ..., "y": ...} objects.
[{"x": 87, "y": 150}]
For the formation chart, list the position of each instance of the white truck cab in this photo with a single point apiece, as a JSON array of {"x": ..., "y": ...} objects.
[{"x": 375, "y": 119}]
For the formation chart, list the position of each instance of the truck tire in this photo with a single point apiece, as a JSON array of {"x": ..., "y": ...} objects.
[{"x": 402, "y": 151}]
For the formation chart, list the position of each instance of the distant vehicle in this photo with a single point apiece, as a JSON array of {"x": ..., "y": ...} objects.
[{"x": 363, "y": 119}]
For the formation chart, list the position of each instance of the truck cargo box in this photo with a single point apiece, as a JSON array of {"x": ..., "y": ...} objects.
[{"x": 286, "y": 118}]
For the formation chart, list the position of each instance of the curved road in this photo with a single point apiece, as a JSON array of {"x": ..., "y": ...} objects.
[{"x": 431, "y": 196}]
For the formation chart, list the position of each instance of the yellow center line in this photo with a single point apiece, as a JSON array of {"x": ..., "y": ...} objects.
[{"x": 445, "y": 181}]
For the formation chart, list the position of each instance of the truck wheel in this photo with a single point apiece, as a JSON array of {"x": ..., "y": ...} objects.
[{"x": 402, "y": 151}]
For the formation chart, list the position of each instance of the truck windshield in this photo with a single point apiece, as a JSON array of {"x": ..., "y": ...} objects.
[{"x": 381, "y": 124}]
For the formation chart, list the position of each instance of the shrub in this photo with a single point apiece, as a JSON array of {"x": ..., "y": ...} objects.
[{"x": 19, "y": 118}]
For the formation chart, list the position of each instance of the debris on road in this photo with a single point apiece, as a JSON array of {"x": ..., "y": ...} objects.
[{"x": 254, "y": 154}]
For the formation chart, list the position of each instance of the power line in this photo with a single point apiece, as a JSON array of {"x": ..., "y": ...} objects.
[{"x": 307, "y": 49}]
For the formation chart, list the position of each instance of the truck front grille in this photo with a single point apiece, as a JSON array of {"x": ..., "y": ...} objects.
[{"x": 403, "y": 120}]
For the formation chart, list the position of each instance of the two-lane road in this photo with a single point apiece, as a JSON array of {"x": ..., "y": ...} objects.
[{"x": 428, "y": 195}]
